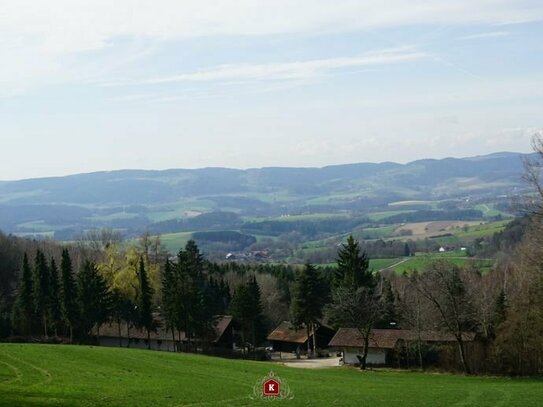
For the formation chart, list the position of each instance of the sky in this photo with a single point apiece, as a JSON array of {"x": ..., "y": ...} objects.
[{"x": 104, "y": 85}]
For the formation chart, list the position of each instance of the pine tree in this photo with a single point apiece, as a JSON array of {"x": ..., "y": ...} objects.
[
  {"x": 194, "y": 309},
  {"x": 353, "y": 266},
  {"x": 388, "y": 301},
  {"x": 41, "y": 289},
  {"x": 170, "y": 309},
  {"x": 310, "y": 296},
  {"x": 258, "y": 320},
  {"x": 145, "y": 302},
  {"x": 355, "y": 303},
  {"x": 246, "y": 308},
  {"x": 68, "y": 293},
  {"x": 24, "y": 304},
  {"x": 94, "y": 299},
  {"x": 55, "y": 310}
]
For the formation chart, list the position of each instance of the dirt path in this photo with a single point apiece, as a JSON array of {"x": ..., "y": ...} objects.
[
  {"x": 395, "y": 264},
  {"x": 320, "y": 363}
]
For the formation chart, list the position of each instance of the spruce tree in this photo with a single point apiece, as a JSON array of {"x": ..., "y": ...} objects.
[
  {"x": 388, "y": 302},
  {"x": 68, "y": 293},
  {"x": 24, "y": 304},
  {"x": 55, "y": 310},
  {"x": 94, "y": 299},
  {"x": 258, "y": 320},
  {"x": 145, "y": 302},
  {"x": 246, "y": 308},
  {"x": 353, "y": 266},
  {"x": 41, "y": 286},
  {"x": 170, "y": 311},
  {"x": 355, "y": 303},
  {"x": 310, "y": 296}
]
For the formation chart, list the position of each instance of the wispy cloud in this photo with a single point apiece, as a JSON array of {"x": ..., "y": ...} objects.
[
  {"x": 298, "y": 70},
  {"x": 493, "y": 34}
]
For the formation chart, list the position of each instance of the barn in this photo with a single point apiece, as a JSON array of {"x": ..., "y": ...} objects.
[
  {"x": 384, "y": 342},
  {"x": 286, "y": 338},
  {"x": 113, "y": 334}
]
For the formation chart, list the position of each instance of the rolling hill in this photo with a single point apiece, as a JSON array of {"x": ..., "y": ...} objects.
[{"x": 173, "y": 201}]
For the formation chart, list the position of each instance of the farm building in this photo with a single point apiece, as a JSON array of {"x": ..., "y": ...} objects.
[
  {"x": 285, "y": 338},
  {"x": 383, "y": 343},
  {"x": 161, "y": 339}
]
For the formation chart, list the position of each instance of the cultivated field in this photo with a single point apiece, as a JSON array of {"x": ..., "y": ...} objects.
[
  {"x": 41, "y": 375},
  {"x": 421, "y": 230}
]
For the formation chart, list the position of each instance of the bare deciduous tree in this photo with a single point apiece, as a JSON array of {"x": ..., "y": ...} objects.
[{"x": 442, "y": 285}]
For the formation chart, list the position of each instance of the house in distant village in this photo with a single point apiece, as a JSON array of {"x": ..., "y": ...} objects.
[
  {"x": 285, "y": 338},
  {"x": 384, "y": 342},
  {"x": 161, "y": 339}
]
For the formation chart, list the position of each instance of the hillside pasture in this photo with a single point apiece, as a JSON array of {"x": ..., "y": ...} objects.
[{"x": 45, "y": 375}]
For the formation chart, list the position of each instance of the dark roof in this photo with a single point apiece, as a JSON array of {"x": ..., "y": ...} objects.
[
  {"x": 161, "y": 333},
  {"x": 221, "y": 325},
  {"x": 286, "y": 332},
  {"x": 388, "y": 338}
]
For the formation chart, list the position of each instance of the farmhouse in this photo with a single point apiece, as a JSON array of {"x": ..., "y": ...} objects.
[
  {"x": 113, "y": 334},
  {"x": 383, "y": 343},
  {"x": 285, "y": 338}
]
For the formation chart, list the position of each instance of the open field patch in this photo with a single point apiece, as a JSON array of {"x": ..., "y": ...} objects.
[
  {"x": 421, "y": 230},
  {"x": 42, "y": 375}
]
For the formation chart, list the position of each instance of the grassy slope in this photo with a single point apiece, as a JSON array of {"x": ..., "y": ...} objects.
[
  {"x": 38, "y": 375},
  {"x": 420, "y": 261}
]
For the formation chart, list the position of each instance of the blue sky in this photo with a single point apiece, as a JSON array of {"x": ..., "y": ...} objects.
[{"x": 102, "y": 85}]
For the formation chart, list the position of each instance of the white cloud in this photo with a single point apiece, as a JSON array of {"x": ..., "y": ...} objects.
[
  {"x": 493, "y": 34},
  {"x": 60, "y": 26},
  {"x": 289, "y": 70},
  {"x": 40, "y": 38}
]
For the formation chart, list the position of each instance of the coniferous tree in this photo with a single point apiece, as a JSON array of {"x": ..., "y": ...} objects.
[
  {"x": 170, "y": 309},
  {"x": 258, "y": 320},
  {"x": 24, "y": 304},
  {"x": 94, "y": 299},
  {"x": 55, "y": 310},
  {"x": 41, "y": 286},
  {"x": 195, "y": 312},
  {"x": 353, "y": 266},
  {"x": 68, "y": 293},
  {"x": 145, "y": 302},
  {"x": 388, "y": 301},
  {"x": 246, "y": 308},
  {"x": 310, "y": 296},
  {"x": 355, "y": 303}
]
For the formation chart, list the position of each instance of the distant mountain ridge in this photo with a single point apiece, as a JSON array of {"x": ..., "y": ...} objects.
[{"x": 136, "y": 198}]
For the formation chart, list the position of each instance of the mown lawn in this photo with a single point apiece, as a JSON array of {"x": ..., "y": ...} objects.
[{"x": 46, "y": 375}]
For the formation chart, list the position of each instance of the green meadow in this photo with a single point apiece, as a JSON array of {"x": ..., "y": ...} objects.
[{"x": 48, "y": 375}]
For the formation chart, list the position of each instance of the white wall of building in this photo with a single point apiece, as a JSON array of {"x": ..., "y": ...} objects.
[{"x": 375, "y": 356}]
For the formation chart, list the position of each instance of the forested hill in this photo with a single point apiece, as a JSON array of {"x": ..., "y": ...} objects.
[
  {"x": 134, "y": 199},
  {"x": 133, "y": 187}
]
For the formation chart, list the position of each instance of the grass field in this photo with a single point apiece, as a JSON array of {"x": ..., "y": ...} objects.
[
  {"x": 486, "y": 229},
  {"x": 45, "y": 375},
  {"x": 420, "y": 261},
  {"x": 175, "y": 241}
]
